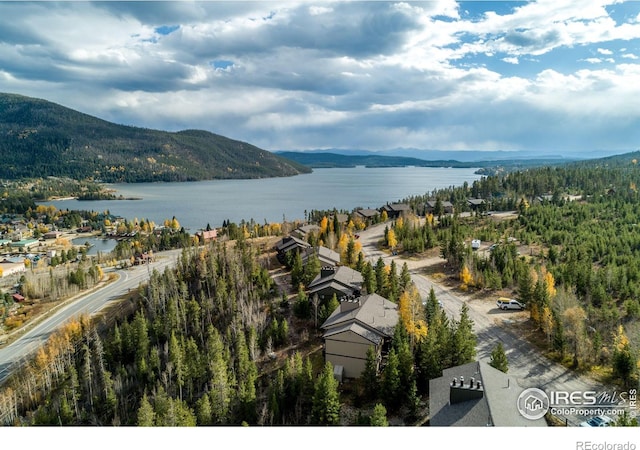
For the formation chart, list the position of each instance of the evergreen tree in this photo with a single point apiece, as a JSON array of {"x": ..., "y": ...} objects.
[
  {"x": 326, "y": 398},
  {"x": 391, "y": 383},
  {"x": 463, "y": 342},
  {"x": 379, "y": 416},
  {"x": 499, "y": 358},
  {"x": 146, "y": 414},
  {"x": 369, "y": 377}
]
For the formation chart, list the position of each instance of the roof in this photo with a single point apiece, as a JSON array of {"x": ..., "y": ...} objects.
[
  {"x": 368, "y": 213},
  {"x": 305, "y": 229},
  {"x": 476, "y": 201},
  {"x": 211, "y": 234},
  {"x": 356, "y": 328},
  {"x": 290, "y": 242},
  {"x": 398, "y": 207},
  {"x": 445, "y": 203},
  {"x": 326, "y": 256},
  {"x": 343, "y": 279},
  {"x": 497, "y": 405},
  {"x": 375, "y": 313}
]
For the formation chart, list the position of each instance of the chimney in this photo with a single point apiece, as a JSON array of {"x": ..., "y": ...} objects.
[
  {"x": 349, "y": 304},
  {"x": 327, "y": 271},
  {"x": 459, "y": 392}
]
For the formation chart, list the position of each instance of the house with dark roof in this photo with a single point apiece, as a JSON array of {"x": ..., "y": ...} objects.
[
  {"x": 477, "y": 203},
  {"x": 355, "y": 326},
  {"x": 288, "y": 244},
  {"x": 395, "y": 210},
  {"x": 368, "y": 215},
  {"x": 430, "y": 206},
  {"x": 342, "y": 281},
  {"x": 477, "y": 395},
  {"x": 303, "y": 231},
  {"x": 326, "y": 256}
]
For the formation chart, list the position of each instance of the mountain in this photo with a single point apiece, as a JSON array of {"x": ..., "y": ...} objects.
[
  {"x": 462, "y": 156},
  {"x": 318, "y": 160},
  {"x": 315, "y": 159},
  {"x": 39, "y": 138}
]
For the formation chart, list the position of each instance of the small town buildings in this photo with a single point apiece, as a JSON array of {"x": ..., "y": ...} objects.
[
  {"x": 52, "y": 235},
  {"x": 24, "y": 244},
  {"x": 395, "y": 210},
  {"x": 355, "y": 326},
  {"x": 476, "y": 395},
  {"x": 342, "y": 281}
]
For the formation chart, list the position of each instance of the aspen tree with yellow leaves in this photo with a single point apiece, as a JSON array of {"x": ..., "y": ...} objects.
[{"x": 412, "y": 314}]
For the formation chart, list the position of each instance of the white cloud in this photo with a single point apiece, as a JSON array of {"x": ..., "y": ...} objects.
[{"x": 334, "y": 74}]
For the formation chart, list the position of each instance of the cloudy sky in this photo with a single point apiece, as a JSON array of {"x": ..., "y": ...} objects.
[{"x": 548, "y": 75}]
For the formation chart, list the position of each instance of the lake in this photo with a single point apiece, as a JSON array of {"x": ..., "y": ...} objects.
[{"x": 196, "y": 204}]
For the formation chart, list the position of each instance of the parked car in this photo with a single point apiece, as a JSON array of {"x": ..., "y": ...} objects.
[
  {"x": 509, "y": 303},
  {"x": 597, "y": 421}
]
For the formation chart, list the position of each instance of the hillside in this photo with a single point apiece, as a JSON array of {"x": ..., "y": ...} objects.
[{"x": 39, "y": 138}]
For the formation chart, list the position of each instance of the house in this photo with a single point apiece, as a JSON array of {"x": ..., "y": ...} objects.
[
  {"x": 477, "y": 204},
  {"x": 326, "y": 256},
  {"x": 287, "y": 244},
  {"x": 52, "y": 235},
  {"x": 355, "y": 326},
  {"x": 477, "y": 395},
  {"x": 342, "y": 218},
  {"x": 207, "y": 235},
  {"x": 395, "y": 210},
  {"x": 368, "y": 215},
  {"x": 17, "y": 298},
  {"x": 142, "y": 258},
  {"x": 342, "y": 281},
  {"x": 430, "y": 206},
  {"x": 302, "y": 232}
]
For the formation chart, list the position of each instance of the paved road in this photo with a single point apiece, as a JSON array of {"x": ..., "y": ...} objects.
[
  {"x": 531, "y": 368},
  {"x": 128, "y": 279}
]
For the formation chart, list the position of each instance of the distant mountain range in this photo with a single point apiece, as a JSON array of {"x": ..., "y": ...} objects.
[
  {"x": 320, "y": 159},
  {"x": 39, "y": 138},
  {"x": 460, "y": 156}
]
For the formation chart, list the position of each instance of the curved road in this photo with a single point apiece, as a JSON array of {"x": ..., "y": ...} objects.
[
  {"x": 526, "y": 363},
  {"x": 13, "y": 354}
]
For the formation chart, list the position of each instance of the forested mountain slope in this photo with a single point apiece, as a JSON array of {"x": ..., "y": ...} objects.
[{"x": 39, "y": 138}]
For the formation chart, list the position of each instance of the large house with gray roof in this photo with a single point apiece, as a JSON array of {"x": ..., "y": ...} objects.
[
  {"x": 342, "y": 281},
  {"x": 355, "y": 326},
  {"x": 476, "y": 395}
]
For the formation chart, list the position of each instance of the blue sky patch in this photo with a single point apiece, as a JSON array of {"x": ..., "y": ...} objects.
[{"x": 167, "y": 29}]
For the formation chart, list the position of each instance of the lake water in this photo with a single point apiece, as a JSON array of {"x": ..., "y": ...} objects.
[
  {"x": 98, "y": 245},
  {"x": 196, "y": 204}
]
